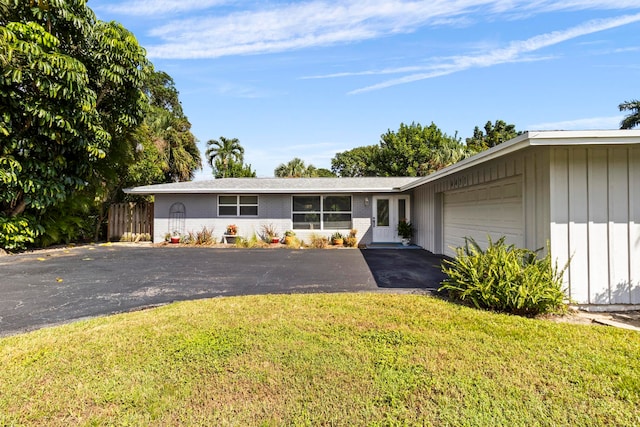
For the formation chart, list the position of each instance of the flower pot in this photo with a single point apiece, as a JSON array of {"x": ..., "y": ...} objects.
[
  {"x": 338, "y": 242},
  {"x": 406, "y": 241},
  {"x": 175, "y": 240},
  {"x": 275, "y": 240}
]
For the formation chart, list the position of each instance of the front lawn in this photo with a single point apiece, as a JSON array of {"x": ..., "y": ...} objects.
[{"x": 323, "y": 359}]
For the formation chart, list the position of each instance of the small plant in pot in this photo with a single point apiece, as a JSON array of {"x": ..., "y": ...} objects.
[
  {"x": 405, "y": 230},
  {"x": 337, "y": 239},
  {"x": 175, "y": 237},
  {"x": 351, "y": 240},
  {"x": 289, "y": 235},
  {"x": 269, "y": 234}
]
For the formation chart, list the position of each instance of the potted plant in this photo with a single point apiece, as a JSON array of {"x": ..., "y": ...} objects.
[
  {"x": 288, "y": 237},
  {"x": 337, "y": 239},
  {"x": 175, "y": 237},
  {"x": 405, "y": 230},
  {"x": 232, "y": 230},
  {"x": 269, "y": 234},
  {"x": 351, "y": 240}
]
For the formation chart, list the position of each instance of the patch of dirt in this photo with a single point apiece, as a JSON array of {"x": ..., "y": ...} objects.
[{"x": 620, "y": 319}]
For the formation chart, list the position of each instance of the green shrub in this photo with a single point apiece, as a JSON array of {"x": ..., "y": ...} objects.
[
  {"x": 16, "y": 233},
  {"x": 504, "y": 278},
  {"x": 250, "y": 243}
]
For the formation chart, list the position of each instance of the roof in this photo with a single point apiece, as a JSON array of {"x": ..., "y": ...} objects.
[
  {"x": 279, "y": 186},
  {"x": 390, "y": 184},
  {"x": 535, "y": 138}
]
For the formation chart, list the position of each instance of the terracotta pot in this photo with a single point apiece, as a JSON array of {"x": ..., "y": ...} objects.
[
  {"x": 175, "y": 240},
  {"x": 338, "y": 242},
  {"x": 275, "y": 240}
]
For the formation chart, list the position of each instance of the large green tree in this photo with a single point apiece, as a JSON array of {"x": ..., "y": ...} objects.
[
  {"x": 359, "y": 161},
  {"x": 493, "y": 134},
  {"x": 170, "y": 128},
  {"x": 75, "y": 98},
  {"x": 414, "y": 150},
  {"x": 633, "y": 118},
  {"x": 226, "y": 157},
  {"x": 70, "y": 97}
]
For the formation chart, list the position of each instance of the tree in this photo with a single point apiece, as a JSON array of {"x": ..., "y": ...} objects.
[
  {"x": 226, "y": 158},
  {"x": 295, "y": 168},
  {"x": 417, "y": 151},
  {"x": 493, "y": 135},
  {"x": 360, "y": 161},
  {"x": 171, "y": 130},
  {"x": 633, "y": 119},
  {"x": 69, "y": 99},
  {"x": 325, "y": 173}
]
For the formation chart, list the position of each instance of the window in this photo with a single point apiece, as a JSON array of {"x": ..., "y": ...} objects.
[
  {"x": 321, "y": 212},
  {"x": 237, "y": 205}
]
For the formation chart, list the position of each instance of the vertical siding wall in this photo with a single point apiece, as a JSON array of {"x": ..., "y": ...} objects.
[
  {"x": 595, "y": 222},
  {"x": 531, "y": 163}
]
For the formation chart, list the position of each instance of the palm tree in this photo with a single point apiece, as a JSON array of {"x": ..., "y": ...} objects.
[
  {"x": 633, "y": 119},
  {"x": 295, "y": 168},
  {"x": 223, "y": 154}
]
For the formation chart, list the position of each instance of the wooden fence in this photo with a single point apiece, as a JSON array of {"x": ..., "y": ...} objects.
[{"x": 130, "y": 222}]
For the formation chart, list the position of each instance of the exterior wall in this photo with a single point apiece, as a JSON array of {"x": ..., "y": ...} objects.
[
  {"x": 531, "y": 163},
  {"x": 595, "y": 221},
  {"x": 275, "y": 209}
]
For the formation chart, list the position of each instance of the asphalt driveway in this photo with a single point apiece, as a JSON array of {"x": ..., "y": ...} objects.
[{"x": 51, "y": 287}]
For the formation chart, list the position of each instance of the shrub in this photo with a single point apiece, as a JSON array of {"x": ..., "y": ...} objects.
[
  {"x": 16, "y": 233},
  {"x": 204, "y": 237},
  {"x": 504, "y": 278},
  {"x": 250, "y": 243},
  {"x": 293, "y": 242},
  {"x": 318, "y": 242}
]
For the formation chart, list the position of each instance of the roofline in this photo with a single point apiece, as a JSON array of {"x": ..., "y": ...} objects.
[
  {"x": 534, "y": 138},
  {"x": 263, "y": 191}
]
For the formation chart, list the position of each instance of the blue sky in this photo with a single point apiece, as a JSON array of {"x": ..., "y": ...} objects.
[{"x": 309, "y": 79}]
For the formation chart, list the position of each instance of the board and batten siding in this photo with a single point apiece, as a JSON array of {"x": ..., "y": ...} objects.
[
  {"x": 595, "y": 221},
  {"x": 533, "y": 167}
]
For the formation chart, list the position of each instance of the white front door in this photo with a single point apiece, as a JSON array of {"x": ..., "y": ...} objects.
[{"x": 387, "y": 212}]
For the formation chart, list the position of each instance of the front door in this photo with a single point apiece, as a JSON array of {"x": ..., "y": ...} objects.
[{"x": 387, "y": 212}]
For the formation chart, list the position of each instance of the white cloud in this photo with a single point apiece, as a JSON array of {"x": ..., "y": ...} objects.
[
  {"x": 286, "y": 26},
  {"x": 511, "y": 53},
  {"x": 298, "y": 25},
  {"x": 161, "y": 7},
  {"x": 611, "y": 122}
]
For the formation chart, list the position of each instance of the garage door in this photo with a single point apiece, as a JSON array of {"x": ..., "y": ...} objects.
[{"x": 493, "y": 209}]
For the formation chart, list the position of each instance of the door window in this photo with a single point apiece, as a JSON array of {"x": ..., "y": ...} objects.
[{"x": 383, "y": 213}]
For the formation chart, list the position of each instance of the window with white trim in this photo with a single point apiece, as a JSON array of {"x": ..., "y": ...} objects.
[
  {"x": 237, "y": 205},
  {"x": 331, "y": 212}
]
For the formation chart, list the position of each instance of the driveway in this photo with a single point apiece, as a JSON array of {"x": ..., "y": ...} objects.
[{"x": 51, "y": 287}]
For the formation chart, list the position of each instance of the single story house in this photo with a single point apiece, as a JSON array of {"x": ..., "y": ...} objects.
[{"x": 576, "y": 191}]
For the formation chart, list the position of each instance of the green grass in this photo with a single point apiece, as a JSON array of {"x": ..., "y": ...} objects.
[{"x": 346, "y": 359}]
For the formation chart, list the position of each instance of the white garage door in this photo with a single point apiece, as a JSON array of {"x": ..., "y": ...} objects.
[{"x": 493, "y": 209}]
